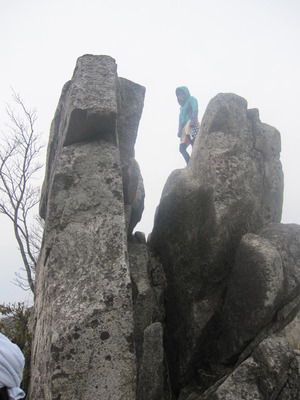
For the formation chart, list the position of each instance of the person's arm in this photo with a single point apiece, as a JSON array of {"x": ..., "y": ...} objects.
[
  {"x": 179, "y": 133},
  {"x": 193, "y": 111}
]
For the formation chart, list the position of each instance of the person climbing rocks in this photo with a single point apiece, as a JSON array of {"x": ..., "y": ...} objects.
[
  {"x": 188, "y": 120},
  {"x": 11, "y": 370}
]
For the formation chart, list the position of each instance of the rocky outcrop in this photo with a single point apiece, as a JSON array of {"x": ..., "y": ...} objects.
[
  {"x": 92, "y": 198},
  {"x": 270, "y": 373},
  {"x": 148, "y": 285},
  {"x": 263, "y": 288},
  {"x": 292, "y": 333},
  {"x": 197, "y": 312},
  {"x": 98, "y": 105},
  {"x": 230, "y": 266}
]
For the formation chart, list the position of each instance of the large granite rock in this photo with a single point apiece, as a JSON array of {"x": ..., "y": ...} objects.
[
  {"x": 98, "y": 105},
  {"x": 270, "y": 373},
  {"x": 233, "y": 185},
  {"x": 263, "y": 292},
  {"x": 196, "y": 312},
  {"x": 130, "y": 104},
  {"x": 292, "y": 333},
  {"x": 83, "y": 343},
  {"x": 151, "y": 380},
  {"x": 87, "y": 110},
  {"x": 148, "y": 284},
  {"x": 262, "y": 297}
]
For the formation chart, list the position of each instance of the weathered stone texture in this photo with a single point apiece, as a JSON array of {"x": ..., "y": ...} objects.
[
  {"x": 254, "y": 293},
  {"x": 271, "y": 373},
  {"x": 96, "y": 104},
  {"x": 285, "y": 237},
  {"x": 226, "y": 280},
  {"x": 261, "y": 297},
  {"x": 83, "y": 299},
  {"x": 292, "y": 333},
  {"x": 148, "y": 284},
  {"x": 130, "y": 105},
  {"x": 195, "y": 313},
  {"x": 151, "y": 381},
  {"x": 87, "y": 117},
  {"x": 84, "y": 337},
  {"x": 87, "y": 110}
]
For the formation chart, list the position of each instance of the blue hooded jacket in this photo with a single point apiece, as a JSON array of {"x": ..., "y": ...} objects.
[{"x": 188, "y": 109}]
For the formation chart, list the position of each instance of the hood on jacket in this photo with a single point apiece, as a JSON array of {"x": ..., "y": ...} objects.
[{"x": 186, "y": 91}]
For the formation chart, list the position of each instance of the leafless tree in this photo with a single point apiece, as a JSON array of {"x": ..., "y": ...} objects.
[{"x": 19, "y": 164}]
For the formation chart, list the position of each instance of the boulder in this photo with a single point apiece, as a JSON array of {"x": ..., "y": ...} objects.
[
  {"x": 292, "y": 333},
  {"x": 151, "y": 381},
  {"x": 285, "y": 237},
  {"x": 233, "y": 185},
  {"x": 148, "y": 284},
  {"x": 254, "y": 292},
  {"x": 263, "y": 292},
  {"x": 270, "y": 373}
]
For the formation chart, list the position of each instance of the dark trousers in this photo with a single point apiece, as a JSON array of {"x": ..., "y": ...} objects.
[{"x": 183, "y": 147}]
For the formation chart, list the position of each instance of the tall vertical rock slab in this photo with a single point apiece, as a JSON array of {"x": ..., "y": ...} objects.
[
  {"x": 83, "y": 341},
  {"x": 130, "y": 101}
]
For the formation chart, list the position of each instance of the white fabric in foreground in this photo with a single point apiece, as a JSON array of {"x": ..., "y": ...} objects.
[{"x": 11, "y": 368}]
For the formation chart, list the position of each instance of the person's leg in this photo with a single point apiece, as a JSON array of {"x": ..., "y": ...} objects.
[
  {"x": 182, "y": 149},
  {"x": 189, "y": 140}
]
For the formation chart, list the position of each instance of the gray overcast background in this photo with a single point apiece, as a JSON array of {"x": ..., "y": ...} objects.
[{"x": 250, "y": 48}]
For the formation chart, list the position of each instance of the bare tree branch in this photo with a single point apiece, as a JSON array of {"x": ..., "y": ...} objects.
[{"x": 19, "y": 163}]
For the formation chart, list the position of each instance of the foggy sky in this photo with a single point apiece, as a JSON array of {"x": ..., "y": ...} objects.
[{"x": 248, "y": 48}]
